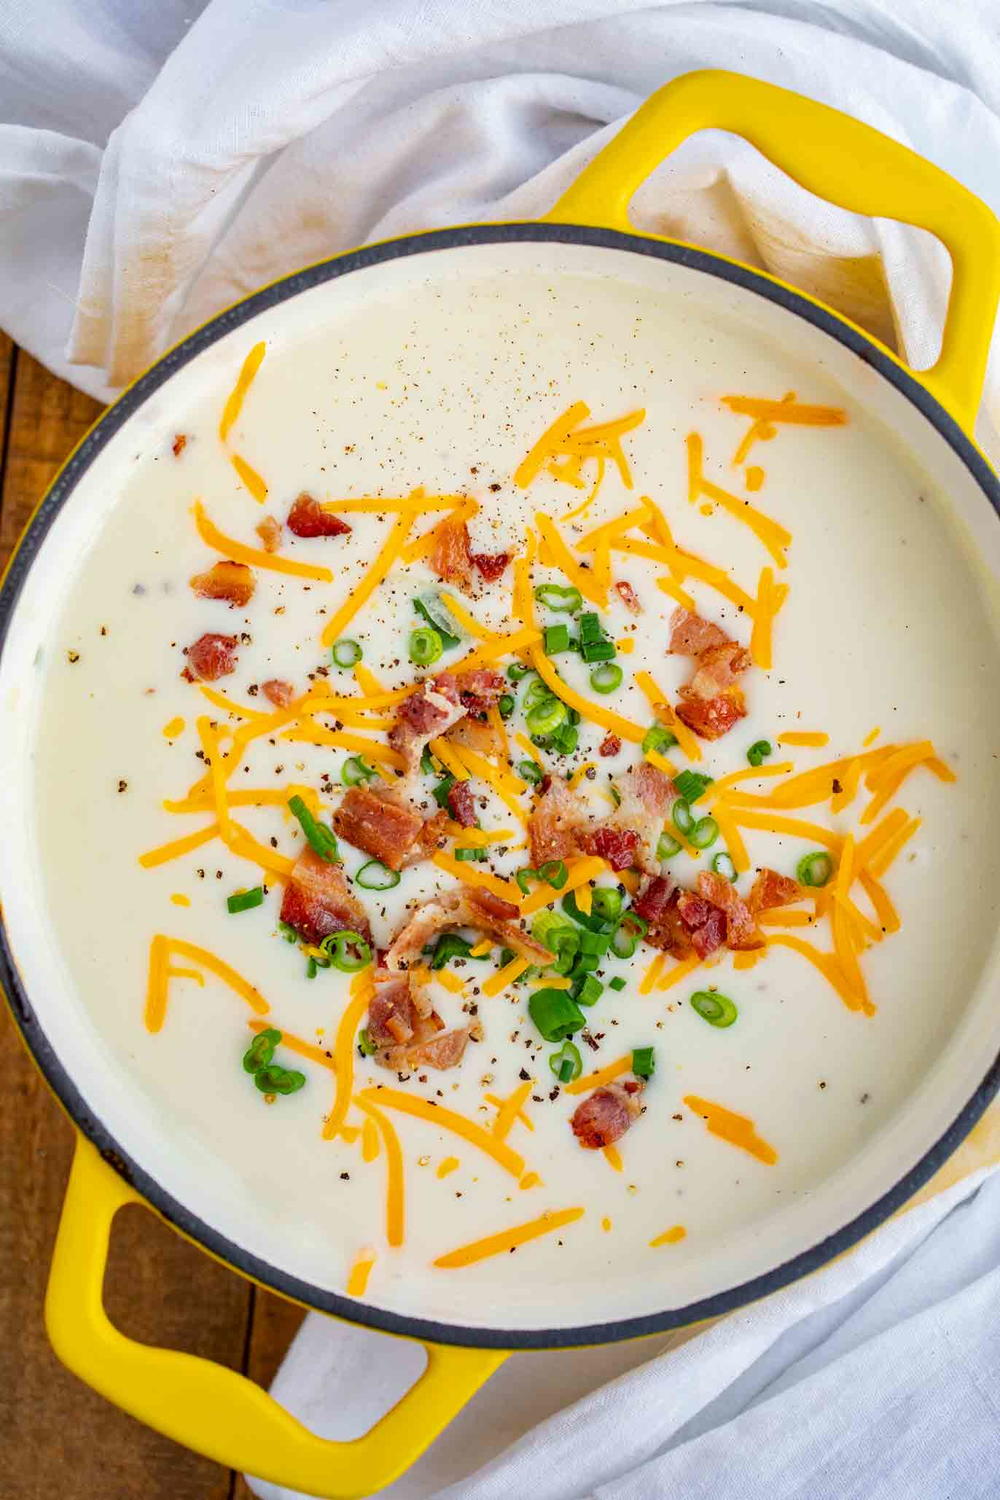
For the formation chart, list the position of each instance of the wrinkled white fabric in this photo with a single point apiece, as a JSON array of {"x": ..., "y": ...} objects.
[{"x": 160, "y": 159}]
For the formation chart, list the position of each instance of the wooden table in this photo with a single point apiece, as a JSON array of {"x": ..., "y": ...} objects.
[{"x": 60, "y": 1439}]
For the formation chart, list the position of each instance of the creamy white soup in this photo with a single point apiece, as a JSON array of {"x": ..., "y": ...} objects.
[{"x": 576, "y": 853}]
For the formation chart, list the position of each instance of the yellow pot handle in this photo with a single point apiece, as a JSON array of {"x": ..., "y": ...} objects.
[
  {"x": 839, "y": 159},
  {"x": 213, "y": 1409}
]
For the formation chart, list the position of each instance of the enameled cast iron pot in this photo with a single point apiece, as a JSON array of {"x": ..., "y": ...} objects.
[{"x": 213, "y": 1409}]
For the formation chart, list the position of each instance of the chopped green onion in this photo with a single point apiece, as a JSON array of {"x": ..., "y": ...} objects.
[
  {"x": 506, "y": 704},
  {"x": 692, "y": 784},
  {"x": 440, "y": 792},
  {"x": 657, "y": 738},
  {"x": 597, "y": 650},
  {"x": 346, "y": 653},
  {"x": 567, "y": 1063},
  {"x": 450, "y": 946},
  {"x": 588, "y": 919},
  {"x": 529, "y": 771},
  {"x": 427, "y": 762},
  {"x": 546, "y": 716},
  {"x": 366, "y": 1046},
  {"x": 470, "y": 853},
  {"x": 426, "y": 645},
  {"x": 261, "y": 1049},
  {"x": 312, "y": 967},
  {"x": 595, "y": 942},
  {"x": 643, "y": 1062},
  {"x": 683, "y": 817},
  {"x": 288, "y": 932},
  {"x": 606, "y": 678},
  {"x": 555, "y": 1014},
  {"x": 526, "y": 878},
  {"x": 704, "y": 833},
  {"x": 716, "y": 1009},
  {"x": 348, "y": 951},
  {"x": 554, "y": 872},
  {"x": 566, "y": 739},
  {"x": 566, "y": 948},
  {"x": 814, "y": 869},
  {"x": 355, "y": 771},
  {"x": 667, "y": 846},
  {"x": 273, "y": 1079},
  {"x": 574, "y": 717},
  {"x": 607, "y": 902},
  {"x": 436, "y": 615},
  {"x": 565, "y": 601},
  {"x": 545, "y": 925},
  {"x": 590, "y": 626},
  {"x": 245, "y": 900},
  {"x": 618, "y": 983},
  {"x": 723, "y": 865},
  {"x": 628, "y": 934},
  {"x": 517, "y": 672},
  {"x": 537, "y": 692},
  {"x": 585, "y": 963},
  {"x": 375, "y": 876},
  {"x": 555, "y": 639},
  {"x": 759, "y": 751},
  {"x": 587, "y": 990},
  {"x": 321, "y": 839}
]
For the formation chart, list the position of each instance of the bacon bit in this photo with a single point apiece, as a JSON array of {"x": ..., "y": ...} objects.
[
  {"x": 610, "y": 745},
  {"x": 554, "y": 823},
  {"x": 479, "y": 689},
  {"x": 462, "y": 804},
  {"x": 617, "y": 845},
  {"x": 742, "y": 932},
  {"x": 629, "y": 597},
  {"x": 443, "y": 1051},
  {"x": 658, "y": 905},
  {"x": 390, "y": 1013},
  {"x": 651, "y": 903},
  {"x": 712, "y": 718},
  {"x": 690, "y": 635},
  {"x": 606, "y": 1114},
  {"x": 477, "y": 734},
  {"x": 711, "y": 702},
  {"x": 428, "y": 712},
  {"x": 379, "y": 826},
  {"x": 307, "y": 518},
  {"x": 179, "y": 443},
  {"x": 705, "y": 923},
  {"x": 431, "y": 838},
  {"x": 318, "y": 901},
  {"x": 771, "y": 889},
  {"x": 451, "y": 559},
  {"x": 406, "y": 1038},
  {"x": 269, "y": 531},
  {"x": 278, "y": 692},
  {"x": 210, "y": 657},
  {"x": 232, "y": 581},
  {"x": 647, "y": 795},
  {"x": 490, "y": 565}
]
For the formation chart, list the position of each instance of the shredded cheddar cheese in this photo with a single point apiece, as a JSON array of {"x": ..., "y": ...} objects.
[
  {"x": 601, "y": 1076},
  {"x": 786, "y": 411},
  {"x": 172, "y": 728},
  {"x": 803, "y": 737},
  {"x": 775, "y": 537},
  {"x": 238, "y": 394},
  {"x": 446, "y": 1119},
  {"x": 613, "y": 1157},
  {"x": 162, "y": 949},
  {"x": 512, "y": 1109},
  {"x": 362, "y": 990},
  {"x": 447, "y": 1166},
  {"x": 671, "y": 1236},
  {"x": 505, "y": 977},
  {"x": 508, "y": 1239},
  {"x": 736, "y": 1129},
  {"x": 652, "y": 974},
  {"x": 254, "y": 557},
  {"x": 362, "y": 590},
  {"x": 681, "y": 969},
  {"x": 579, "y": 873},
  {"x": 469, "y": 875},
  {"x": 660, "y": 705},
  {"x": 395, "y": 1203},
  {"x": 357, "y": 1281}
]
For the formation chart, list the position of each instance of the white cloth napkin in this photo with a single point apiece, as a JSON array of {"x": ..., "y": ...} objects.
[{"x": 160, "y": 159}]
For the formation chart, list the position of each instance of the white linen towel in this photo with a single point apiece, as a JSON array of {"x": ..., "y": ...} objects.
[{"x": 160, "y": 159}]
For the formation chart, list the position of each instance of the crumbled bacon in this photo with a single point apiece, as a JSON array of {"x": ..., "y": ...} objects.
[
  {"x": 610, "y": 745},
  {"x": 647, "y": 795},
  {"x": 479, "y": 689},
  {"x": 390, "y": 1013},
  {"x": 451, "y": 559},
  {"x": 318, "y": 901},
  {"x": 381, "y": 827},
  {"x": 269, "y": 531},
  {"x": 711, "y": 703},
  {"x": 445, "y": 1050},
  {"x": 629, "y": 597},
  {"x": 231, "y": 581},
  {"x": 432, "y": 837},
  {"x": 477, "y": 734},
  {"x": 690, "y": 635},
  {"x": 705, "y": 924},
  {"x": 426, "y": 713},
  {"x": 278, "y": 692},
  {"x": 554, "y": 823},
  {"x": 490, "y": 565},
  {"x": 477, "y": 909},
  {"x": 742, "y": 931},
  {"x": 659, "y": 906},
  {"x": 605, "y": 1115},
  {"x": 711, "y": 718},
  {"x": 461, "y": 804},
  {"x": 179, "y": 443},
  {"x": 210, "y": 657},
  {"x": 308, "y": 518},
  {"x": 617, "y": 845},
  {"x": 404, "y": 1037},
  {"x": 651, "y": 903},
  {"x": 771, "y": 889}
]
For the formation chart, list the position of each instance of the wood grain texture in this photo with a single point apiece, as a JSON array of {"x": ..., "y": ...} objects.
[{"x": 60, "y": 1438}]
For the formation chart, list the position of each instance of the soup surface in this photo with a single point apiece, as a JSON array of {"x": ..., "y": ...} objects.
[{"x": 628, "y": 605}]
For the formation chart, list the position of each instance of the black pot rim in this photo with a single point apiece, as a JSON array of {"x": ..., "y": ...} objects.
[{"x": 59, "y": 1077}]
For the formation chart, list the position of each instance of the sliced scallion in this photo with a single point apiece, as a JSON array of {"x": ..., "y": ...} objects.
[
  {"x": 567, "y": 1063},
  {"x": 692, "y": 784},
  {"x": 717, "y": 1010},
  {"x": 546, "y": 716},
  {"x": 723, "y": 865},
  {"x": 759, "y": 751},
  {"x": 529, "y": 771},
  {"x": 683, "y": 817},
  {"x": 425, "y": 645},
  {"x": 348, "y": 951},
  {"x": 555, "y": 1015},
  {"x": 667, "y": 846},
  {"x": 356, "y": 772},
  {"x": 564, "y": 600},
  {"x": 607, "y": 902},
  {"x": 657, "y": 738},
  {"x": 320, "y": 838},
  {"x": 643, "y": 1062},
  {"x": 375, "y": 876},
  {"x": 704, "y": 833},
  {"x": 346, "y": 653},
  {"x": 607, "y": 678},
  {"x": 245, "y": 900},
  {"x": 814, "y": 869},
  {"x": 261, "y": 1049}
]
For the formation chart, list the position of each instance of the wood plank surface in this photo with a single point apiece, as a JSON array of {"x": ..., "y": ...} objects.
[{"x": 60, "y": 1439}]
